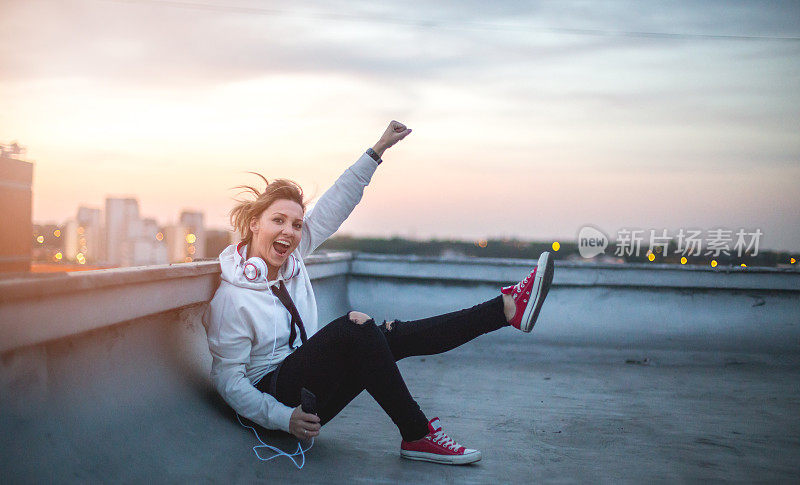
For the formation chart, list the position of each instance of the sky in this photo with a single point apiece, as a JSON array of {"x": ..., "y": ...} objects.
[{"x": 530, "y": 119}]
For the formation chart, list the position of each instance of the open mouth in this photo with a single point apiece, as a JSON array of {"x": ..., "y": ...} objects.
[{"x": 281, "y": 247}]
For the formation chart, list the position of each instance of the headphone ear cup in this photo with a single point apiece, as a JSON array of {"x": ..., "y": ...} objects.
[
  {"x": 255, "y": 269},
  {"x": 292, "y": 267}
]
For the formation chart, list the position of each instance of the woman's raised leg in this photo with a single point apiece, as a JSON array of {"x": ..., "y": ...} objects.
[
  {"x": 441, "y": 333},
  {"x": 517, "y": 305}
]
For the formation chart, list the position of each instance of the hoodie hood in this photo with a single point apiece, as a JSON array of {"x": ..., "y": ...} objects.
[{"x": 252, "y": 272}]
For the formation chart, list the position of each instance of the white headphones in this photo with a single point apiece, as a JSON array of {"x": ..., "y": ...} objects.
[
  {"x": 292, "y": 267},
  {"x": 254, "y": 269}
]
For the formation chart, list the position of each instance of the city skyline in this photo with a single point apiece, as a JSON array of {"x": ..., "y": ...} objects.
[
  {"x": 530, "y": 121},
  {"x": 689, "y": 242},
  {"x": 162, "y": 221},
  {"x": 119, "y": 235}
]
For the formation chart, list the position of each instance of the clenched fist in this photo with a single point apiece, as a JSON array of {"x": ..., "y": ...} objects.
[{"x": 395, "y": 132}]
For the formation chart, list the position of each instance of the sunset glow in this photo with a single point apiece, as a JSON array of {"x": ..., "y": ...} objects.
[{"x": 520, "y": 129}]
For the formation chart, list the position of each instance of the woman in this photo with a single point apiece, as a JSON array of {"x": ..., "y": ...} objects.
[{"x": 266, "y": 343}]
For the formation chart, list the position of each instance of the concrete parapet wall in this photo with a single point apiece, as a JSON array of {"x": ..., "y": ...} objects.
[
  {"x": 36, "y": 310},
  {"x": 622, "y": 306},
  {"x": 660, "y": 306}
]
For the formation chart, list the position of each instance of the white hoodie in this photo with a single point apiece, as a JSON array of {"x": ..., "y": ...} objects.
[{"x": 248, "y": 327}]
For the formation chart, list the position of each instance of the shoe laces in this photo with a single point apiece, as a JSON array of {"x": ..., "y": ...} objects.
[
  {"x": 518, "y": 287},
  {"x": 441, "y": 438}
]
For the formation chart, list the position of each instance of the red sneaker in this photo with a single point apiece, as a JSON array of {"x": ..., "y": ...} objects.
[
  {"x": 529, "y": 294},
  {"x": 438, "y": 448}
]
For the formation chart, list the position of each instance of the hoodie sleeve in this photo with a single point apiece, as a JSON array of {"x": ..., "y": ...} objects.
[
  {"x": 336, "y": 204},
  {"x": 230, "y": 340}
]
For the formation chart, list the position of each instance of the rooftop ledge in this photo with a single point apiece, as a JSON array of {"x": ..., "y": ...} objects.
[
  {"x": 633, "y": 373},
  {"x": 35, "y": 310}
]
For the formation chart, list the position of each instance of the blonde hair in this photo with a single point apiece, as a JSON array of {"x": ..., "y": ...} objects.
[{"x": 246, "y": 210}]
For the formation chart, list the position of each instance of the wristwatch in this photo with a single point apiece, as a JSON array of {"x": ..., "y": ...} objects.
[{"x": 374, "y": 155}]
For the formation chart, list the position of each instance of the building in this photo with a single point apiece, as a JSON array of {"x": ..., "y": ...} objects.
[
  {"x": 216, "y": 241},
  {"x": 91, "y": 220},
  {"x": 130, "y": 240},
  {"x": 84, "y": 237},
  {"x": 195, "y": 229},
  {"x": 149, "y": 247},
  {"x": 16, "y": 180},
  {"x": 181, "y": 242},
  {"x": 186, "y": 241},
  {"x": 122, "y": 227}
]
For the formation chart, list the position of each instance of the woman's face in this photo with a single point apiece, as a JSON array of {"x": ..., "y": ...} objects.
[{"x": 276, "y": 233}]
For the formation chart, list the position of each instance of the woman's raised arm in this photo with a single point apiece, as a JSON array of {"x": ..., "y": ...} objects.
[{"x": 332, "y": 209}]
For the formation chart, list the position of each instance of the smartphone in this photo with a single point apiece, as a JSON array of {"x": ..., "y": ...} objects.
[{"x": 308, "y": 401}]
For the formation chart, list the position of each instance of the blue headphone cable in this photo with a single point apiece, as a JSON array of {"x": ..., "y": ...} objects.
[{"x": 278, "y": 452}]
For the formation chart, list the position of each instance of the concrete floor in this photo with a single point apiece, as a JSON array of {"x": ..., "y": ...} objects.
[{"x": 539, "y": 413}]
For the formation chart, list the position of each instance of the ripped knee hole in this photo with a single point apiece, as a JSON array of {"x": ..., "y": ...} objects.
[{"x": 358, "y": 317}]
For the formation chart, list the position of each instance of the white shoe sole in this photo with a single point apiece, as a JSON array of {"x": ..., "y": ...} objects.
[
  {"x": 539, "y": 290},
  {"x": 442, "y": 459}
]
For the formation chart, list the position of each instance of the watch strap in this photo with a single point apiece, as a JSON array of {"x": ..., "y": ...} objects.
[{"x": 374, "y": 155}]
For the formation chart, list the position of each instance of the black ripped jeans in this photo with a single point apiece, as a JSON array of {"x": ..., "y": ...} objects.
[{"x": 343, "y": 358}]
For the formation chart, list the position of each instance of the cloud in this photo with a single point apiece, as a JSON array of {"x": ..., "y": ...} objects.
[
  {"x": 544, "y": 87},
  {"x": 148, "y": 42}
]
